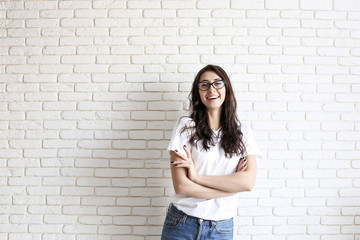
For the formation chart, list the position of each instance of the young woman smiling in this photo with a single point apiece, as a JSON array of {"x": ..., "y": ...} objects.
[{"x": 213, "y": 157}]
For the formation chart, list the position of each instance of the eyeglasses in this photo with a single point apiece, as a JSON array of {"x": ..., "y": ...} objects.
[{"x": 204, "y": 86}]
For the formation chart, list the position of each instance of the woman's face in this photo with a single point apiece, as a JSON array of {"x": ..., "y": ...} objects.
[{"x": 212, "y": 98}]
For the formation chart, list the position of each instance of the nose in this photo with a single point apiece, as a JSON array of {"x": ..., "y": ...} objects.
[{"x": 211, "y": 88}]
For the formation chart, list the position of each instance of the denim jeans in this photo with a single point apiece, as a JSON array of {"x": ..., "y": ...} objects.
[{"x": 180, "y": 226}]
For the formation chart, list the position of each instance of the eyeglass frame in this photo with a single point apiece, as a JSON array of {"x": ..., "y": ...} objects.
[{"x": 212, "y": 84}]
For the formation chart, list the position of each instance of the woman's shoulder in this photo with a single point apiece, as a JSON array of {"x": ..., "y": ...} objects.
[
  {"x": 186, "y": 121},
  {"x": 246, "y": 130},
  {"x": 245, "y": 127}
]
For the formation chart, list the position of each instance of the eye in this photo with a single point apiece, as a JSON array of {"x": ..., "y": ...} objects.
[
  {"x": 203, "y": 84},
  {"x": 218, "y": 83}
]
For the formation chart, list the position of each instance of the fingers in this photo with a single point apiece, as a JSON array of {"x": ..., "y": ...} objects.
[
  {"x": 242, "y": 166},
  {"x": 182, "y": 161},
  {"x": 179, "y": 165},
  {"x": 180, "y": 155},
  {"x": 188, "y": 154}
]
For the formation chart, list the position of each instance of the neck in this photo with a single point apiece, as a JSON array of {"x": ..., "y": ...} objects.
[{"x": 214, "y": 119}]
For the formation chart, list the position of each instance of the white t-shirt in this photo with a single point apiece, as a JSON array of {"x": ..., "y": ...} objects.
[{"x": 211, "y": 162}]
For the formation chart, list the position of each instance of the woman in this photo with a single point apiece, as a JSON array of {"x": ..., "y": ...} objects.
[{"x": 212, "y": 159}]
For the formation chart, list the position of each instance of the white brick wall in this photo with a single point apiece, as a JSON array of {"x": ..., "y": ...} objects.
[{"x": 90, "y": 91}]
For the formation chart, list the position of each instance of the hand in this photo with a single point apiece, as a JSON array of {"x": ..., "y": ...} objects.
[
  {"x": 186, "y": 162},
  {"x": 242, "y": 165}
]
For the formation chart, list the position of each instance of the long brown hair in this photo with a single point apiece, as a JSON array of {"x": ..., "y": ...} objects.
[{"x": 231, "y": 139}]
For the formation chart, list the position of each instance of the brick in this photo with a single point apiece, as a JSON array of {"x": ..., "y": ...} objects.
[
  {"x": 290, "y": 229},
  {"x": 55, "y": 68},
  {"x": 133, "y": 220},
  {"x": 346, "y": 5},
  {"x": 122, "y": 13},
  {"x": 31, "y": 200},
  {"x": 111, "y": 173},
  {"x": 336, "y": 220},
  {"x": 98, "y": 13},
  {"x": 113, "y": 191},
  {"x": 262, "y": 50},
  {"x": 12, "y": 60},
  {"x": 348, "y": 174},
  {"x": 123, "y": 182},
  {"x": 98, "y": 201},
  {"x": 110, "y": 211},
  {"x": 146, "y": 134},
  {"x": 247, "y": 4},
  {"x": 319, "y": 5},
  {"x": 185, "y": 22},
  {"x": 300, "y": 50},
  {"x": 40, "y": 153},
  {"x": 129, "y": 144},
  {"x": 11, "y": 5},
  {"x": 302, "y": 183},
  {"x": 42, "y": 5},
  {"x": 321, "y": 193},
  {"x": 324, "y": 210},
  {"x": 284, "y": 174},
  {"x": 80, "y": 229},
  {"x": 350, "y": 229},
  {"x": 256, "y": 230},
  {"x": 55, "y": 181},
  {"x": 126, "y": 31},
  {"x": 77, "y": 191},
  {"x": 24, "y": 181},
  {"x": 112, "y": 154},
  {"x": 188, "y": 31},
  {"x": 278, "y": 4},
  {"x": 13, "y": 228},
  {"x": 324, "y": 229},
  {"x": 21, "y": 69},
  {"x": 43, "y": 23},
  {"x": 54, "y": 236},
  {"x": 87, "y": 181},
  {"x": 95, "y": 220},
  {"x": 22, "y": 14},
  {"x": 331, "y": 183},
  {"x": 54, "y": 219},
  {"x": 146, "y": 192},
  {"x": 265, "y": 221}
]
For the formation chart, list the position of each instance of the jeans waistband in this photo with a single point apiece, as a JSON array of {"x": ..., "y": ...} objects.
[
  {"x": 173, "y": 208},
  {"x": 186, "y": 217}
]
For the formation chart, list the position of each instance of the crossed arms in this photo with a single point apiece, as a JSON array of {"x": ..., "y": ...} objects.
[{"x": 187, "y": 182}]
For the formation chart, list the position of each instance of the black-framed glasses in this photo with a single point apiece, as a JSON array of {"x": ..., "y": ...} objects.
[{"x": 218, "y": 84}]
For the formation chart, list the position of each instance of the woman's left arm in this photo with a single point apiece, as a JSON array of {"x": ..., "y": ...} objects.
[{"x": 236, "y": 182}]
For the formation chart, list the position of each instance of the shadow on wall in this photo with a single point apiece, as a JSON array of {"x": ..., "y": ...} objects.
[
  {"x": 123, "y": 183},
  {"x": 144, "y": 140}
]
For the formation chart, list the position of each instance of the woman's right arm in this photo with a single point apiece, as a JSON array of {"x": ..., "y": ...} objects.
[{"x": 184, "y": 186}]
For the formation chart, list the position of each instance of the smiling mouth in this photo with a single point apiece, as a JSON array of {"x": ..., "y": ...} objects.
[{"x": 213, "y": 97}]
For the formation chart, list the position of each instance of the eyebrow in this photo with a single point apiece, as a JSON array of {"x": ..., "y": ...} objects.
[{"x": 205, "y": 80}]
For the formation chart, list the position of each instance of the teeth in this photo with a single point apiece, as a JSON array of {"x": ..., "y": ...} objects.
[{"x": 212, "y": 97}]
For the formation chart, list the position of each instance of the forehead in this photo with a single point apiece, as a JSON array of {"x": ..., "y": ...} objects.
[{"x": 209, "y": 75}]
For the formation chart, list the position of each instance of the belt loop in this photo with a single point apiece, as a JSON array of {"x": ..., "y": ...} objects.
[
  {"x": 183, "y": 219},
  {"x": 213, "y": 224}
]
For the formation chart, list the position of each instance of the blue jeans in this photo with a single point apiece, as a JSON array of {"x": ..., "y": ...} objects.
[{"x": 180, "y": 226}]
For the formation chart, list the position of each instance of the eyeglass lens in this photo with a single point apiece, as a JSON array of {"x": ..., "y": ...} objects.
[{"x": 217, "y": 85}]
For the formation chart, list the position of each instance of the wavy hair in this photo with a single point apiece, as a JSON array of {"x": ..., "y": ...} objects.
[{"x": 231, "y": 138}]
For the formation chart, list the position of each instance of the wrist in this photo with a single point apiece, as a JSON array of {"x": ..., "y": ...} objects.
[{"x": 196, "y": 178}]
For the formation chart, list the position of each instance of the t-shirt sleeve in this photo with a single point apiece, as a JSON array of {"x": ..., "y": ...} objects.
[
  {"x": 252, "y": 147},
  {"x": 179, "y": 138}
]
